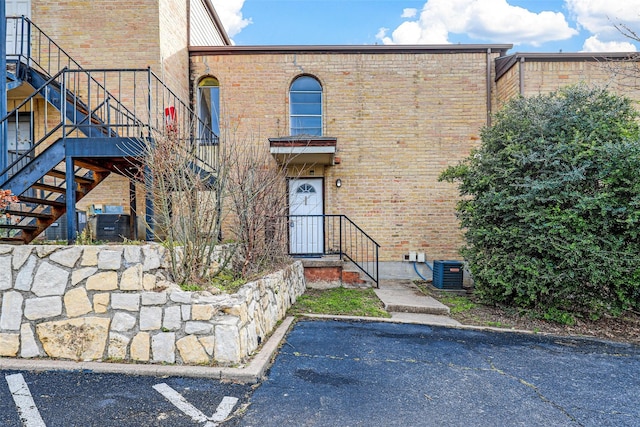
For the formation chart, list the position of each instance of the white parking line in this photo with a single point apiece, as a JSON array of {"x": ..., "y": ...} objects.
[
  {"x": 223, "y": 410},
  {"x": 29, "y": 414}
]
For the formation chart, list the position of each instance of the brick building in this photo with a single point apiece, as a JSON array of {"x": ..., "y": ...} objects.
[{"x": 369, "y": 128}]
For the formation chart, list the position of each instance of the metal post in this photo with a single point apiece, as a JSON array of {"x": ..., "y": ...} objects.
[
  {"x": 340, "y": 222},
  {"x": 63, "y": 102},
  {"x": 133, "y": 202},
  {"x": 148, "y": 174},
  {"x": 149, "y": 101},
  {"x": 4, "y": 147},
  {"x": 149, "y": 212},
  {"x": 71, "y": 200},
  {"x": 377, "y": 269}
]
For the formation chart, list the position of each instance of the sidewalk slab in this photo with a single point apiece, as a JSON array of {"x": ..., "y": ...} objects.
[
  {"x": 400, "y": 296},
  {"x": 425, "y": 319}
]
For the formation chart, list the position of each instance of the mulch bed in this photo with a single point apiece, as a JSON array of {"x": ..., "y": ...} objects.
[{"x": 625, "y": 328}]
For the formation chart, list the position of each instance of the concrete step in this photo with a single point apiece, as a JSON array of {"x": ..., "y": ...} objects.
[
  {"x": 404, "y": 297},
  {"x": 425, "y": 319}
]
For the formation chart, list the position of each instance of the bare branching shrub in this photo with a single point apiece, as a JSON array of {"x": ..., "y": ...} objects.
[
  {"x": 623, "y": 70},
  {"x": 257, "y": 200},
  {"x": 244, "y": 199},
  {"x": 187, "y": 205}
]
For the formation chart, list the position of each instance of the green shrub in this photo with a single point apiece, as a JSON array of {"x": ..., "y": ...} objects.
[{"x": 551, "y": 204}]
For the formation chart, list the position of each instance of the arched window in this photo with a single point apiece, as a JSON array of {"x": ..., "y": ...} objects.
[
  {"x": 209, "y": 103},
  {"x": 306, "y": 189},
  {"x": 305, "y": 106}
]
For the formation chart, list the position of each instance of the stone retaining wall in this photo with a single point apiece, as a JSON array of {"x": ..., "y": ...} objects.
[{"x": 115, "y": 303}]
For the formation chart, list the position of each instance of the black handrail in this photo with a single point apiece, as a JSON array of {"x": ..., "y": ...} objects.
[{"x": 334, "y": 235}]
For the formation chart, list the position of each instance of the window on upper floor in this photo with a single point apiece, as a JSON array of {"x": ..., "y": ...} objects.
[
  {"x": 305, "y": 106},
  {"x": 209, "y": 103}
]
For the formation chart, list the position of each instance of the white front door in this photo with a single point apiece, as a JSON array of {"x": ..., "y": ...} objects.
[
  {"x": 306, "y": 232},
  {"x": 15, "y": 28}
]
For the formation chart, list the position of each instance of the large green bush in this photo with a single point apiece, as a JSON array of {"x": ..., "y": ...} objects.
[{"x": 551, "y": 204}]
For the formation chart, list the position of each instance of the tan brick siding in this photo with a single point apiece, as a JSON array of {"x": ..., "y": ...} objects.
[
  {"x": 547, "y": 76},
  {"x": 103, "y": 33},
  {"x": 174, "y": 51},
  {"x": 507, "y": 87},
  {"x": 399, "y": 119}
]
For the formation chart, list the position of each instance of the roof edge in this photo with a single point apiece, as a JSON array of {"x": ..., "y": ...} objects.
[{"x": 270, "y": 49}]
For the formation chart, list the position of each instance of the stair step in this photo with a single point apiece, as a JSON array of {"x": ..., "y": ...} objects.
[
  {"x": 18, "y": 227},
  {"x": 50, "y": 188},
  {"x": 11, "y": 240},
  {"x": 86, "y": 165},
  {"x": 60, "y": 174},
  {"x": 29, "y": 214},
  {"x": 54, "y": 203}
]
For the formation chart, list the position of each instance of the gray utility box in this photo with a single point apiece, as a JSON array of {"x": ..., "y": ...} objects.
[{"x": 447, "y": 274}]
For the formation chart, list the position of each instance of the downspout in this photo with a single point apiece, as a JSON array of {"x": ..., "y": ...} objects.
[
  {"x": 489, "y": 106},
  {"x": 521, "y": 74},
  {"x": 188, "y": 24}
]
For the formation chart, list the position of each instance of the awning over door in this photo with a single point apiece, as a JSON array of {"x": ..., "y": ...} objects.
[{"x": 304, "y": 149}]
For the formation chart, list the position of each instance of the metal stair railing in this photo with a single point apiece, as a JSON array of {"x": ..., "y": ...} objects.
[
  {"x": 58, "y": 128},
  {"x": 145, "y": 109},
  {"x": 155, "y": 111},
  {"x": 340, "y": 236},
  {"x": 28, "y": 47},
  {"x": 22, "y": 160}
]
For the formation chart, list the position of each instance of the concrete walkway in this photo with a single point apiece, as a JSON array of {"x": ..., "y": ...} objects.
[{"x": 406, "y": 303}]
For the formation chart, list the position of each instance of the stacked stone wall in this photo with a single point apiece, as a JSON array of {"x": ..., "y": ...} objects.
[{"x": 115, "y": 303}]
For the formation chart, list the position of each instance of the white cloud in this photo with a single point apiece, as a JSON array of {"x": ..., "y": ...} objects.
[
  {"x": 494, "y": 20},
  {"x": 409, "y": 12},
  {"x": 230, "y": 13},
  {"x": 600, "y": 17},
  {"x": 593, "y": 44}
]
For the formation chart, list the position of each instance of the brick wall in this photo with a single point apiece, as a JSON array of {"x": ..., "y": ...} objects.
[
  {"x": 508, "y": 86},
  {"x": 103, "y": 33},
  {"x": 399, "y": 118},
  {"x": 173, "y": 46},
  {"x": 543, "y": 76}
]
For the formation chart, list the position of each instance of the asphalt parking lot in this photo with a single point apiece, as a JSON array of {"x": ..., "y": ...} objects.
[
  {"x": 358, "y": 373},
  {"x": 88, "y": 399},
  {"x": 334, "y": 373}
]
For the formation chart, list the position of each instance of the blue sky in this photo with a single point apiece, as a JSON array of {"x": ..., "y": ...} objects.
[{"x": 531, "y": 25}]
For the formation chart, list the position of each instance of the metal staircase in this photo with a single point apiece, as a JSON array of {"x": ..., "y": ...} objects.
[{"x": 79, "y": 132}]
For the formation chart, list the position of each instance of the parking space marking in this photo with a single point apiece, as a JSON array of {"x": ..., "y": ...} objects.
[
  {"x": 29, "y": 414},
  {"x": 224, "y": 408}
]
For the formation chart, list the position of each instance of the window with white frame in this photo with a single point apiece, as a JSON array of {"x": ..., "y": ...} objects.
[
  {"x": 305, "y": 106},
  {"x": 209, "y": 104}
]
